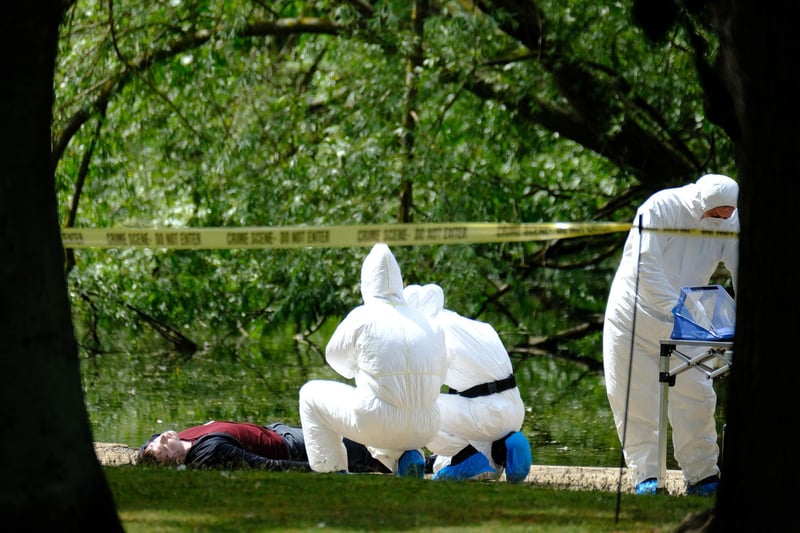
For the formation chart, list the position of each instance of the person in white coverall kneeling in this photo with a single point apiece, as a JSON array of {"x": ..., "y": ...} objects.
[
  {"x": 399, "y": 364},
  {"x": 656, "y": 263},
  {"x": 483, "y": 412}
]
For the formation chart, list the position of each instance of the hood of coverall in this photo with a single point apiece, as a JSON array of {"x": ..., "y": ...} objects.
[
  {"x": 427, "y": 298},
  {"x": 381, "y": 279},
  {"x": 716, "y": 190}
]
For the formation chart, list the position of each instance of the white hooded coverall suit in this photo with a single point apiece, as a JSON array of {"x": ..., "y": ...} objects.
[
  {"x": 475, "y": 355},
  {"x": 398, "y": 363},
  {"x": 664, "y": 262}
]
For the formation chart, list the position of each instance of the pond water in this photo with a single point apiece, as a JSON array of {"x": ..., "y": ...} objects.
[{"x": 568, "y": 421}]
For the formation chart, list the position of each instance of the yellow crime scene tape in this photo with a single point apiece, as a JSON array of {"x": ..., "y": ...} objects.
[
  {"x": 331, "y": 236},
  {"x": 346, "y": 236}
]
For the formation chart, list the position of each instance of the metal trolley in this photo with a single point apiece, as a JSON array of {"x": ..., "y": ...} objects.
[{"x": 715, "y": 362}]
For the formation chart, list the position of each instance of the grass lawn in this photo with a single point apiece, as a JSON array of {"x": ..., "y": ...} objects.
[{"x": 169, "y": 500}]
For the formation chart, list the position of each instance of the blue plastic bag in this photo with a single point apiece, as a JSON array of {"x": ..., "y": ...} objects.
[{"x": 706, "y": 313}]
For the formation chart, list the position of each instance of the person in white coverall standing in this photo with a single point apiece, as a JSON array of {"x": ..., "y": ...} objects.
[
  {"x": 656, "y": 263},
  {"x": 483, "y": 412},
  {"x": 399, "y": 364}
]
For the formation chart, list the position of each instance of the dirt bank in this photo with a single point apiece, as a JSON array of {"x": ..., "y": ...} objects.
[{"x": 561, "y": 477}]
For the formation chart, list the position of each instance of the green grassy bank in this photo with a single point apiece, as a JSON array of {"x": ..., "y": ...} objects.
[{"x": 168, "y": 500}]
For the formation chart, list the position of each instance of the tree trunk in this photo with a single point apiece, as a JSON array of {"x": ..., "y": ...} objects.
[
  {"x": 52, "y": 480},
  {"x": 759, "y": 48}
]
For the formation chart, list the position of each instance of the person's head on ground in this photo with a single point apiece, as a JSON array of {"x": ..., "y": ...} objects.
[
  {"x": 718, "y": 196},
  {"x": 164, "y": 448}
]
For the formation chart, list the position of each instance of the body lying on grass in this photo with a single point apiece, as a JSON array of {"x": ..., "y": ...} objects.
[{"x": 275, "y": 446}]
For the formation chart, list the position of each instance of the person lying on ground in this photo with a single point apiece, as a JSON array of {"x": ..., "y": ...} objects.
[{"x": 224, "y": 444}]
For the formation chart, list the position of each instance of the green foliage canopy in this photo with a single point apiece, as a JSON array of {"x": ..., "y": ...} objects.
[{"x": 207, "y": 113}]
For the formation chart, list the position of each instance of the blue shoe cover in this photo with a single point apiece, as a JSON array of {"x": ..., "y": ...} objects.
[
  {"x": 648, "y": 486},
  {"x": 518, "y": 458},
  {"x": 706, "y": 487},
  {"x": 411, "y": 464},
  {"x": 475, "y": 467}
]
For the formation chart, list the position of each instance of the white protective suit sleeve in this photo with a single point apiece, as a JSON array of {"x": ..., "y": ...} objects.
[{"x": 656, "y": 287}]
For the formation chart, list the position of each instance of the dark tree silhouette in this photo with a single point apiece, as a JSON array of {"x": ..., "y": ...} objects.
[
  {"x": 759, "y": 49},
  {"x": 52, "y": 478},
  {"x": 751, "y": 91}
]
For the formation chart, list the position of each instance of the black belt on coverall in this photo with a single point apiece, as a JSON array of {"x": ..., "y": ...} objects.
[{"x": 485, "y": 389}]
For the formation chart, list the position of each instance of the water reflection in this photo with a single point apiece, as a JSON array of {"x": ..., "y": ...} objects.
[{"x": 568, "y": 421}]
